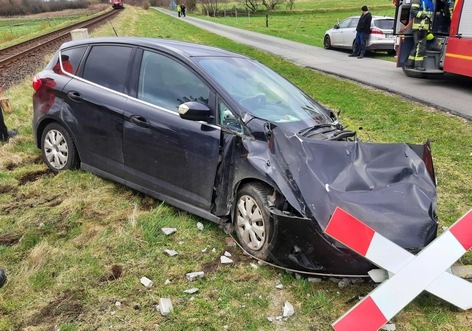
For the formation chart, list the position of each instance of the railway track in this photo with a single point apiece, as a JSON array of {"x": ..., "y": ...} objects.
[{"x": 23, "y": 59}]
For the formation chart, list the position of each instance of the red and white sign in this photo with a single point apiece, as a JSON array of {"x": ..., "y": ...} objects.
[{"x": 412, "y": 274}]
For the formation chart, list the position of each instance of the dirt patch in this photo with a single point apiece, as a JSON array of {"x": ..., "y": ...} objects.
[
  {"x": 114, "y": 273},
  {"x": 7, "y": 189},
  {"x": 9, "y": 239},
  {"x": 66, "y": 308},
  {"x": 34, "y": 176}
]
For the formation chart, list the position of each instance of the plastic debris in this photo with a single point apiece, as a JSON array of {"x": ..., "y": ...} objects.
[
  {"x": 170, "y": 252},
  {"x": 191, "y": 276},
  {"x": 165, "y": 306},
  {"x": 225, "y": 260},
  {"x": 191, "y": 290},
  {"x": 146, "y": 281},
  {"x": 200, "y": 226},
  {"x": 288, "y": 309},
  {"x": 168, "y": 231},
  {"x": 279, "y": 286}
]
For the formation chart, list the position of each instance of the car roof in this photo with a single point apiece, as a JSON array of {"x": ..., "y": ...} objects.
[
  {"x": 374, "y": 17},
  {"x": 183, "y": 48}
]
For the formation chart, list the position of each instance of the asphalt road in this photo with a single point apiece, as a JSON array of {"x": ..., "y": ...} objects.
[{"x": 448, "y": 93}]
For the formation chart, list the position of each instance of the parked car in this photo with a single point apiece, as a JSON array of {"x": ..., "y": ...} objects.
[
  {"x": 343, "y": 34},
  {"x": 226, "y": 138}
]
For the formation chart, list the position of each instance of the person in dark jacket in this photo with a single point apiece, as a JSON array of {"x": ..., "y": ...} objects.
[
  {"x": 362, "y": 33},
  {"x": 5, "y": 135},
  {"x": 3, "y": 278}
]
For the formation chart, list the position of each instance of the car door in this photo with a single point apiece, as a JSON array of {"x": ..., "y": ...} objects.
[
  {"x": 95, "y": 102},
  {"x": 176, "y": 159},
  {"x": 349, "y": 35},
  {"x": 338, "y": 34}
]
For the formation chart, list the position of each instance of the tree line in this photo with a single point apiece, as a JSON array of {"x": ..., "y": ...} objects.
[{"x": 28, "y": 7}]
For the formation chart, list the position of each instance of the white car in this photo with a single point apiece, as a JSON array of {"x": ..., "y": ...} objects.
[{"x": 343, "y": 34}]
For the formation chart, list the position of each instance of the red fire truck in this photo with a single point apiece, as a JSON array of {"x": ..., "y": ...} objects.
[{"x": 451, "y": 49}]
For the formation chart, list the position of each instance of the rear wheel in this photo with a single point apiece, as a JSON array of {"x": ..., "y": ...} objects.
[
  {"x": 327, "y": 42},
  {"x": 58, "y": 148},
  {"x": 252, "y": 220}
]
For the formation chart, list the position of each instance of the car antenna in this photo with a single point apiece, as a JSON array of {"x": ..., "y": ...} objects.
[{"x": 116, "y": 34}]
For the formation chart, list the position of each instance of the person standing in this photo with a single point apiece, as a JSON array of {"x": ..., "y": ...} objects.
[
  {"x": 179, "y": 10},
  {"x": 5, "y": 135},
  {"x": 362, "y": 33},
  {"x": 421, "y": 12},
  {"x": 182, "y": 8}
]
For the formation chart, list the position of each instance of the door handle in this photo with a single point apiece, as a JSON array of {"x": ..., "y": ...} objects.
[
  {"x": 75, "y": 96},
  {"x": 139, "y": 121}
]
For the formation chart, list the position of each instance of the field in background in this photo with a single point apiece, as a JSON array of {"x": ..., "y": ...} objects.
[{"x": 75, "y": 245}]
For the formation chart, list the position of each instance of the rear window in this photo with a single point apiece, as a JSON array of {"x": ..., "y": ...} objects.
[{"x": 386, "y": 24}]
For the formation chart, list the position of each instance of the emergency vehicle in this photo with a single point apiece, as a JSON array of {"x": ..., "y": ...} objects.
[{"x": 450, "y": 50}]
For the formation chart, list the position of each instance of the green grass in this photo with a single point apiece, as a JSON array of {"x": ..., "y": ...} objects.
[{"x": 74, "y": 244}]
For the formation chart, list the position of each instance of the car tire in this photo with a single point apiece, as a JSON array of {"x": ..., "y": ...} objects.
[
  {"x": 252, "y": 220},
  {"x": 327, "y": 42},
  {"x": 58, "y": 148}
]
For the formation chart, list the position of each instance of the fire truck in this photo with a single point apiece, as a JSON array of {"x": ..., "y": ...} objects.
[{"x": 450, "y": 51}]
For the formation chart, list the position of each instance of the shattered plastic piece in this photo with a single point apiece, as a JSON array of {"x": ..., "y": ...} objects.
[
  {"x": 167, "y": 282},
  {"x": 279, "y": 286},
  {"x": 288, "y": 309},
  {"x": 270, "y": 319},
  {"x": 165, "y": 306},
  {"x": 213, "y": 250},
  {"x": 200, "y": 226},
  {"x": 146, "y": 281},
  {"x": 170, "y": 252},
  {"x": 118, "y": 304},
  {"x": 378, "y": 275},
  {"x": 191, "y": 290},
  {"x": 254, "y": 266},
  {"x": 225, "y": 260},
  {"x": 205, "y": 250},
  {"x": 191, "y": 276},
  {"x": 168, "y": 231},
  {"x": 228, "y": 254}
]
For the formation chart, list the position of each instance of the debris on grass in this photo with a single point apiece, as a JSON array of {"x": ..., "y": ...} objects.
[
  {"x": 200, "y": 226},
  {"x": 225, "y": 260},
  {"x": 146, "y": 282},
  {"x": 191, "y": 290},
  {"x": 168, "y": 231},
  {"x": 191, "y": 276},
  {"x": 288, "y": 309},
  {"x": 170, "y": 252},
  {"x": 165, "y": 306}
]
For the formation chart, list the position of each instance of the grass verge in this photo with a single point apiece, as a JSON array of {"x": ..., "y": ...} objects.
[{"x": 75, "y": 246}]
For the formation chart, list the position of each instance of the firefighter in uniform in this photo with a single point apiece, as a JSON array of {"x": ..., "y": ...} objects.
[{"x": 420, "y": 14}]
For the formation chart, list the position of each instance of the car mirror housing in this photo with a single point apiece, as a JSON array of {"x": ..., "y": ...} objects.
[{"x": 195, "y": 111}]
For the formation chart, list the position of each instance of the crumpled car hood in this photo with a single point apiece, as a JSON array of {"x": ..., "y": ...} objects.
[{"x": 387, "y": 186}]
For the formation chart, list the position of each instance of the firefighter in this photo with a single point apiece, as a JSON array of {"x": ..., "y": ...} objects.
[{"x": 420, "y": 15}]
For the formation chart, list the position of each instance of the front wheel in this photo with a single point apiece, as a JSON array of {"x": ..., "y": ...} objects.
[
  {"x": 327, "y": 42},
  {"x": 252, "y": 219},
  {"x": 58, "y": 148}
]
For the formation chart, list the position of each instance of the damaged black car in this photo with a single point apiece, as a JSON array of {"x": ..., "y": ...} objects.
[{"x": 226, "y": 138}]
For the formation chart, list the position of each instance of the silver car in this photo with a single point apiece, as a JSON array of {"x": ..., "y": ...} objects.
[{"x": 343, "y": 34}]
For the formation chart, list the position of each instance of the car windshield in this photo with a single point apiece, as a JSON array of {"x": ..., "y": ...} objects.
[{"x": 262, "y": 92}]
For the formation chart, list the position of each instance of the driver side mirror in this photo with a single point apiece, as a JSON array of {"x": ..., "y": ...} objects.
[
  {"x": 195, "y": 111},
  {"x": 336, "y": 26}
]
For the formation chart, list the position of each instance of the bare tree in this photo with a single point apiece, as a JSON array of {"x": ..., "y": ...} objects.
[
  {"x": 272, "y": 4},
  {"x": 252, "y": 5},
  {"x": 209, "y": 7}
]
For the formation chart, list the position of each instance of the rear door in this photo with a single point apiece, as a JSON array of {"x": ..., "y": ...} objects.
[
  {"x": 176, "y": 159},
  {"x": 349, "y": 35},
  {"x": 94, "y": 104}
]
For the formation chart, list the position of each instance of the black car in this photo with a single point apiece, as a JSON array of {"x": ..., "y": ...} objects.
[{"x": 224, "y": 137}]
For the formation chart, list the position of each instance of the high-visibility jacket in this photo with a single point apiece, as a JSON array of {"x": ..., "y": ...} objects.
[{"x": 421, "y": 12}]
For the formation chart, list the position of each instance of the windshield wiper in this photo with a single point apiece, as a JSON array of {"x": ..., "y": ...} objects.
[{"x": 305, "y": 131}]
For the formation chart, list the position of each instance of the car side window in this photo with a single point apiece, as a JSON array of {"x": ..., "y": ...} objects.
[
  {"x": 344, "y": 24},
  {"x": 167, "y": 83},
  {"x": 70, "y": 59},
  {"x": 353, "y": 23},
  {"x": 228, "y": 120},
  {"x": 107, "y": 65}
]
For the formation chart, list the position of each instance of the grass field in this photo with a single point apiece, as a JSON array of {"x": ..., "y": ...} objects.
[{"x": 75, "y": 246}]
